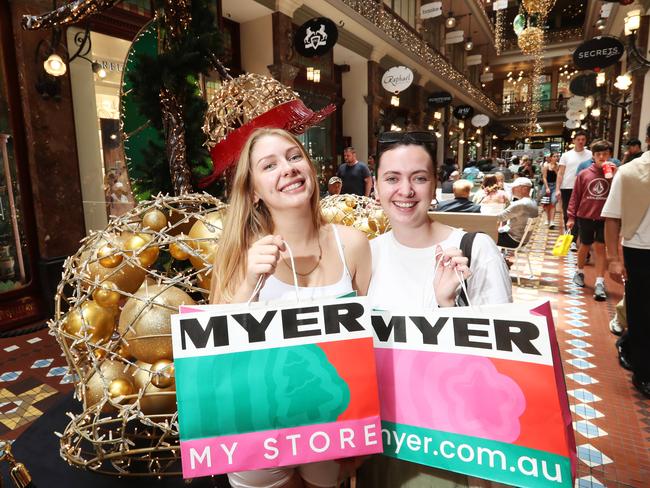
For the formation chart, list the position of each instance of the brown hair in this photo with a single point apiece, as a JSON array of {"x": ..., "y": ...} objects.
[
  {"x": 247, "y": 221},
  {"x": 490, "y": 184},
  {"x": 601, "y": 145}
]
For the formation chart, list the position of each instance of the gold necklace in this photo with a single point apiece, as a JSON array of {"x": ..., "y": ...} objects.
[{"x": 320, "y": 255}]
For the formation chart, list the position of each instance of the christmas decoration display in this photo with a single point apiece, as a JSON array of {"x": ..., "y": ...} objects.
[
  {"x": 69, "y": 13},
  {"x": 246, "y": 103},
  {"x": 112, "y": 320},
  {"x": 362, "y": 213}
]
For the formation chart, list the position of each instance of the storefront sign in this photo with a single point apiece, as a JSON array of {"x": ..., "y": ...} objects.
[
  {"x": 500, "y": 5},
  {"x": 480, "y": 120},
  {"x": 463, "y": 112},
  {"x": 454, "y": 37},
  {"x": 486, "y": 77},
  {"x": 265, "y": 386},
  {"x": 584, "y": 85},
  {"x": 431, "y": 10},
  {"x": 439, "y": 99},
  {"x": 474, "y": 60},
  {"x": 598, "y": 53},
  {"x": 316, "y": 37},
  {"x": 397, "y": 79}
]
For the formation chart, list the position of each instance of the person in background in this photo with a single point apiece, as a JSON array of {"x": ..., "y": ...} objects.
[
  {"x": 517, "y": 214},
  {"x": 504, "y": 170},
  {"x": 356, "y": 176},
  {"x": 491, "y": 192},
  {"x": 448, "y": 185},
  {"x": 513, "y": 167},
  {"x": 334, "y": 186},
  {"x": 589, "y": 194},
  {"x": 371, "y": 164},
  {"x": 627, "y": 213},
  {"x": 526, "y": 169},
  {"x": 501, "y": 180},
  {"x": 461, "y": 201},
  {"x": 471, "y": 171},
  {"x": 486, "y": 165},
  {"x": 566, "y": 176},
  {"x": 633, "y": 151},
  {"x": 549, "y": 179},
  {"x": 447, "y": 169}
]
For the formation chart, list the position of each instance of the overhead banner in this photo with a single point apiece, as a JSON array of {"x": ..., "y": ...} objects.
[
  {"x": 261, "y": 386},
  {"x": 478, "y": 391}
]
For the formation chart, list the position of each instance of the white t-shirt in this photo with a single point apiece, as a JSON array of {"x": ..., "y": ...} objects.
[
  {"x": 403, "y": 275},
  {"x": 572, "y": 159},
  {"x": 614, "y": 209}
]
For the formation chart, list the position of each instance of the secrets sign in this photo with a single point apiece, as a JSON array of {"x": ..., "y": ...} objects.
[{"x": 598, "y": 53}]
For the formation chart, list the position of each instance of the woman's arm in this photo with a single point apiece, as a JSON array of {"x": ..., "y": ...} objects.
[
  {"x": 544, "y": 174},
  {"x": 357, "y": 255}
]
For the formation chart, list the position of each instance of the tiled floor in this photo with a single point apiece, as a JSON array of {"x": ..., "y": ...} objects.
[{"x": 611, "y": 420}]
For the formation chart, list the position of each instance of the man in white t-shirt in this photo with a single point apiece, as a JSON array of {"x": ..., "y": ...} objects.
[
  {"x": 627, "y": 213},
  {"x": 566, "y": 175}
]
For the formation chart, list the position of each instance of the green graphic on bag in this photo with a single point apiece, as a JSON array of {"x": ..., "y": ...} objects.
[{"x": 258, "y": 390}]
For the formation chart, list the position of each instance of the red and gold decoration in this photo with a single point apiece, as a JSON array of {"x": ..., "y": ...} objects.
[
  {"x": 362, "y": 213},
  {"x": 112, "y": 320}
]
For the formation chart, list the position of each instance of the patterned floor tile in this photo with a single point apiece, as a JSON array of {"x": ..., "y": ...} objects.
[
  {"x": 578, "y": 343},
  {"x": 591, "y": 456},
  {"x": 11, "y": 348},
  {"x": 585, "y": 396},
  {"x": 588, "y": 482},
  {"x": 588, "y": 430},
  {"x": 580, "y": 353},
  {"x": 581, "y": 378},
  {"x": 578, "y": 333},
  {"x": 58, "y": 371},
  {"x": 10, "y": 376},
  {"x": 42, "y": 363},
  {"x": 581, "y": 363},
  {"x": 34, "y": 340},
  {"x": 587, "y": 412}
]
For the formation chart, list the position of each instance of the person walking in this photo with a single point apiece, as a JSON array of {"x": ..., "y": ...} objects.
[
  {"x": 356, "y": 176},
  {"x": 566, "y": 176},
  {"x": 549, "y": 180}
]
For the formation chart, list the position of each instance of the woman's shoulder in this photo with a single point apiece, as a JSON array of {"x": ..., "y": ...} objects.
[{"x": 350, "y": 237}]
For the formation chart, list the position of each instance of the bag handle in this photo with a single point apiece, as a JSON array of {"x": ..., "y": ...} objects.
[
  {"x": 459, "y": 275},
  {"x": 262, "y": 278}
]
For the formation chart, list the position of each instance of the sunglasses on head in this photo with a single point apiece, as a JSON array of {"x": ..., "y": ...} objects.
[{"x": 420, "y": 137}]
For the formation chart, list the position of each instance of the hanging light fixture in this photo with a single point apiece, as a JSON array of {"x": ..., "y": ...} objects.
[
  {"x": 310, "y": 73},
  {"x": 469, "y": 45},
  {"x": 394, "y": 101},
  {"x": 623, "y": 82},
  {"x": 316, "y": 76},
  {"x": 99, "y": 70},
  {"x": 54, "y": 65},
  {"x": 461, "y": 124},
  {"x": 600, "y": 78},
  {"x": 450, "y": 23}
]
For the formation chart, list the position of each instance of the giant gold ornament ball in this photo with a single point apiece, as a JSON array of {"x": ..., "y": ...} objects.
[
  {"x": 531, "y": 40},
  {"x": 145, "y": 321},
  {"x": 203, "y": 237},
  {"x": 332, "y": 214},
  {"x": 90, "y": 319},
  {"x": 140, "y": 245},
  {"x": 120, "y": 387},
  {"x": 155, "y": 220},
  {"x": 541, "y": 7},
  {"x": 179, "y": 249},
  {"x": 154, "y": 400},
  {"x": 127, "y": 277}
]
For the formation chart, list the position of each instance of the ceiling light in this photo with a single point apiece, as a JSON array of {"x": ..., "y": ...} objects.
[
  {"x": 450, "y": 23},
  {"x": 54, "y": 65},
  {"x": 595, "y": 113},
  {"x": 632, "y": 21},
  {"x": 469, "y": 45}
]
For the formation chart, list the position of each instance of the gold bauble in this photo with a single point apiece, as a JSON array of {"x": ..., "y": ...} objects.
[
  {"x": 154, "y": 220},
  {"x": 107, "y": 295},
  {"x": 350, "y": 202},
  {"x": 331, "y": 214},
  {"x": 154, "y": 400},
  {"x": 92, "y": 320},
  {"x": 123, "y": 352},
  {"x": 148, "y": 313},
  {"x": 120, "y": 387},
  {"x": 96, "y": 387},
  {"x": 368, "y": 227},
  {"x": 531, "y": 40},
  {"x": 162, "y": 373},
  {"x": 146, "y": 256},
  {"x": 380, "y": 219},
  {"x": 108, "y": 256},
  {"x": 203, "y": 237},
  {"x": 204, "y": 280},
  {"x": 179, "y": 249},
  {"x": 176, "y": 228},
  {"x": 128, "y": 278}
]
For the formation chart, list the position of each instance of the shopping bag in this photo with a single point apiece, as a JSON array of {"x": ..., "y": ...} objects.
[
  {"x": 260, "y": 386},
  {"x": 477, "y": 391},
  {"x": 562, "y": 244}
]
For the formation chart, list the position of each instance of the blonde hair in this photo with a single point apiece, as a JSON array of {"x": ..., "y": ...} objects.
[
  {"x": 462, "y": 188},
  {"x": 247, "y": 221}
]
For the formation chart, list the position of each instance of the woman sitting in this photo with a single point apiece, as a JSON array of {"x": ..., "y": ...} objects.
[{"x": 491, "y": 197}]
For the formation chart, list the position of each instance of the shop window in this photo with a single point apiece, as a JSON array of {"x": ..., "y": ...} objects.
[{"x": 14, "y": 264}]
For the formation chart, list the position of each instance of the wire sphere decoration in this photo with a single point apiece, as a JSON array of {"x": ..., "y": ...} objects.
[{"x": 112, "y": 320}]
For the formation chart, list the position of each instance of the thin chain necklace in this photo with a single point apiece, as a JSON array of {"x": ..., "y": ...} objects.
[{"x": 320, "y": 255}]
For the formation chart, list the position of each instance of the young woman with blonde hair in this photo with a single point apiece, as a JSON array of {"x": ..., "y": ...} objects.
[{"x": 274, "y": 208}]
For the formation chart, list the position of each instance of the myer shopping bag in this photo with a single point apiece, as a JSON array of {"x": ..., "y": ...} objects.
[
  {"x": 562, "y": 244},
  {"x": 262, "y": 386},
  {"x": 476, "y": 390}
]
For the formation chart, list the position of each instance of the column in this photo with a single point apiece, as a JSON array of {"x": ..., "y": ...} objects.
[{"x": 282, "y": 69}]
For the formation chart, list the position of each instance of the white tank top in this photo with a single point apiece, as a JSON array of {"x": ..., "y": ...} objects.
[{"x": 276, "y": 290}]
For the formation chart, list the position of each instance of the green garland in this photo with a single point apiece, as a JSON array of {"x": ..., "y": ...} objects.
[{"x": 178, "y": 70}]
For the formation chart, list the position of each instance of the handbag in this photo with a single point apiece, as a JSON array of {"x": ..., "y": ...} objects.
[{"x": 562, "y": 244}]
